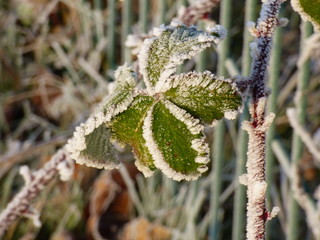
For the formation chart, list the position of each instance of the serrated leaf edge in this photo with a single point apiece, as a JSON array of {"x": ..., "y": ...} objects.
[
  {"x": 205, "y": 38},
  {"x": 142, "y": 168},
  {"x": 192, "y": 123},
  {"x": 159, "y": 161},
  {"x": 177, "y": 80},
  {"x": 143, "y": 60},
  {"x": 305, "y": 16},
  {"x": 77, "y": 143}
]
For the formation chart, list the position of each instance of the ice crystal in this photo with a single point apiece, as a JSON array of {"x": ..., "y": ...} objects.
[{"x": 164, "y": 122}]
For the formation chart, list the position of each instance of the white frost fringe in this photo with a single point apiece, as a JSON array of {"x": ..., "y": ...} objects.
[
  {"x": 305, "y": 17},
  {"x": 159, "y": 160},
  {"x": 254, "y": 179}
]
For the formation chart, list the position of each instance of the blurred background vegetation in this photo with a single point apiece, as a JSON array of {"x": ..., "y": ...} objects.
[{"x": 57, "y": 60}]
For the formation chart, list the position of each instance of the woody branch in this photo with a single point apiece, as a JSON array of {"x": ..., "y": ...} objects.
[{"x": 257, "y": 214}]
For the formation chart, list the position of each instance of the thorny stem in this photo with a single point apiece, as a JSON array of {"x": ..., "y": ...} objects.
[
  {"x": 20, "y": 204},
  {"x": 257, "y": 214}
]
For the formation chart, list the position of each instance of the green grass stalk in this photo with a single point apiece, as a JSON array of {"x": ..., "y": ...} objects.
[
  {"x": 202, "y": 57},
  {"x": 239, "y": 206},
  {"x": 218, "y": 150},
  {"x": 98, "y": 4},
  {"x": 274, "y": 74},
  {"x": 144, "y": 6},
  {"x": 126, "y": 28},
  {"x": 294, "y": 217},
  {"x": 162, "y": 9},
  {"x": 111, "y": 34}
]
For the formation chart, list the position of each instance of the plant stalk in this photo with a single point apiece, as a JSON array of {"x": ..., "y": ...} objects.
[
  {"x": 297, "y": 145},
  {"x": 238, "y": 225},
  {"x": 143, "y": 14},
  {"x": 257, "y": 214},
  {"x": 274, "y": 74},
  {"x": 218, "y": 149},
  {"x": 111, "y": 34},
  {"x": 126, "y": 29}
]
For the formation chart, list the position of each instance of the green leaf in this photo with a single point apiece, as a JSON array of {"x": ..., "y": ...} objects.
[
  {"x": 127, "y": 128},
  {"x": 176, "y": 141},
  {"x": 309, "y": 10},
  {"x": 204, "y": 95},
  {"x": 93, "y": 149},
  {"x": 160, "y": 55},
  {"x": 88, "y": 145},
  {"x": 123, "y": 93}
]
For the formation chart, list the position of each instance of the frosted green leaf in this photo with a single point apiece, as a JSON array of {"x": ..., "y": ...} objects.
[
  {"x": 160, "y": 55},
  {"x": 96, "y": 150},
  {"x": 176, "y": 141},
  {"x": 204, "y": 95},
  {"x": 87, "y": 144},
  {"x": 127, "y": 128},
  {"x": 122, "y": 95},
  {"x": 99, "y": 151},
  {"x": 309, "y": 10}
]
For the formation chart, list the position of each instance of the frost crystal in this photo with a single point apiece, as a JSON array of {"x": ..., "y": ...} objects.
[
  {"x": 219, "y": 30},
  {"x": 231, "y": 115},
  {"x": 193, "y": 124}
]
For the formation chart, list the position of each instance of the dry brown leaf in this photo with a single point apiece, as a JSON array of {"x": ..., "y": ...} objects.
[
  {"x": 110, "y": 205},
  {"x": 142, "y": 229}
]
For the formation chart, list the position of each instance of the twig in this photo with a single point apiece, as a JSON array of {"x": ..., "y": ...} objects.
[
  {"x": 257, "y": 214},
  {"x": 34, "y": 184}
]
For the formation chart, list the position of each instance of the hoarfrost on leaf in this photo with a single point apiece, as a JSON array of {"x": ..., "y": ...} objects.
[
  {"x": 175, "y": 43},
  {"x": 162, "y": 123},
  {"x": 309, "y": 10},
  {"x": 204, "y": 95},
  {"x": 172, "y": 141}
]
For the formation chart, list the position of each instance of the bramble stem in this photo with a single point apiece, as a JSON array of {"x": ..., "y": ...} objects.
[
  {"x": 257, "y": 214},
  {"x": 35, "y": 183}
]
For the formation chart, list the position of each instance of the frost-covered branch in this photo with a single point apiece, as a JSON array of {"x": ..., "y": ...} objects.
[
  {"x": 305, "y": 136},
  {"x": 257, "y": 214},
  {"x": 197, "y": 10},
  {"x": 260, "y": 48},
  {"x": 35, "y": 182}
]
